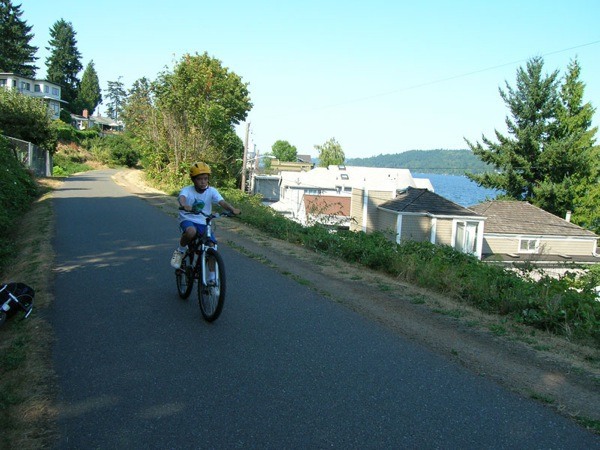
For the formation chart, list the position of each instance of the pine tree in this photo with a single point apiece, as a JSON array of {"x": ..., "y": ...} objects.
[
  {"x": 90, "y": 94},
  {"x": 550, "y": 160},
  {"x": 116, "y": 98},
  {"x": 575, "y": 120},
  {"x": 64, "y": 64},
  {"x": 17, "y": 55},
  {"x": 532, "y": 105}
]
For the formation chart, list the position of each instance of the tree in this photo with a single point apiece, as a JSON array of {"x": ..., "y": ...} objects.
[
  {"x": 63, "y": 65},
  {"x": 17, "y": 55},
  {"x": 574, "y": 121},
  {"x": 330, "y": 153},
  {"x": 193, "y": 112},
  {"x": 116, "y": 95},
  {"x": 284, "y": 151},
  {"x": 24, "y": 117},
  {"x": 547, "y": 156},
  {"x": 90, "y": 94}
]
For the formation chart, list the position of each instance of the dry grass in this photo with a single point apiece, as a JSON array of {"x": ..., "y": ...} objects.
[{"x": 27, "y": 381}]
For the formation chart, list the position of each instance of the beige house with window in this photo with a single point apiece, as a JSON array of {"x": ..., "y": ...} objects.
[
  {"x": 418, "y": 214},
  {"x": 47, "y": 91},
  {"x": 519, "y": 231}
]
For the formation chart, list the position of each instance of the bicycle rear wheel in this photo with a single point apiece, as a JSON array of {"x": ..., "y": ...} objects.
[
  {"x": 184, "y": 276},
  {"x": 211, "y": 297}
]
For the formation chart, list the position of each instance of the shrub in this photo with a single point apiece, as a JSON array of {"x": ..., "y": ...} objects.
[{"x": 17, "y": 190}]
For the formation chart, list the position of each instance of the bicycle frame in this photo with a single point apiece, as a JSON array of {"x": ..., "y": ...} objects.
[{"x": 200, "y": 244}]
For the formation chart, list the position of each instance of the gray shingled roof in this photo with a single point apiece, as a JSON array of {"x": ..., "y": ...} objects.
[
  {"x": 516, "y": 217},
  {"x": 423, "y": 201}
]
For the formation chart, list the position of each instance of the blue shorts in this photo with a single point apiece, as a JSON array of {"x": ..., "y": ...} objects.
[{"x": 199, "y": 228}]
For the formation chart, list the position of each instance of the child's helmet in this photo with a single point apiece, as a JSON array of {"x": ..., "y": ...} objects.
[{"x": 199, "y": 168}]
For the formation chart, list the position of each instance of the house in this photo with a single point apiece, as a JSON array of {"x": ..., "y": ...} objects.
[
  {"x": 300, "y": 165},
  {"x": 104, "y": 123},
  {"x": 519, "y": 231},
  {"x": 419, "y": 214},
  {"x": 47, "y": 91},
  {"x": 324, "y": 194}
]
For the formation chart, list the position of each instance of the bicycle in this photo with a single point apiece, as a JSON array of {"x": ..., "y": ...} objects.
[{"x": 201, "y": 255}]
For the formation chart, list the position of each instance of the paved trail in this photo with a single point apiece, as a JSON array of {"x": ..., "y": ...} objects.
[{"x": 282, "y": 367}]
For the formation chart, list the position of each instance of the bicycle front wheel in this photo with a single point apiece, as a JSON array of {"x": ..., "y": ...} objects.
[
  {"x": 212, "y": 295},
  {"x": 184, "y": 276}
]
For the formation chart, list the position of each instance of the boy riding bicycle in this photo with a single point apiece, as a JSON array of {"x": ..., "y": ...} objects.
[{"x": 192, "y": 199}]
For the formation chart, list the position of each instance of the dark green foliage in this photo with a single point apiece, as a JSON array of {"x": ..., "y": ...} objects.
[
  {"x": 115, "y": 150},
  {"x": 449, "y": 162},
  {"x": 17, "y": 55},
  {"x": 548, "y": 157},
  {"x": 115, "y": 97},
  {"x": 17, "y": 190},
  {"x": 64, "y": 62},
  {"x": 89, "y": 95}
]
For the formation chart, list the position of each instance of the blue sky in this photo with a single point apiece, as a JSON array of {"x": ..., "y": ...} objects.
[{"x": 378, "y": 76}]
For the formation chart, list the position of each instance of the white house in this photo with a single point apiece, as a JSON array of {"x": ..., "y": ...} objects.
[
  {"x": 47, "y": 91},
  {"x": 324, "y": 194}
]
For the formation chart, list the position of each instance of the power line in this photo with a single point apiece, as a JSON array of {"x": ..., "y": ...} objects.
[{"x": 454, "y": 77}]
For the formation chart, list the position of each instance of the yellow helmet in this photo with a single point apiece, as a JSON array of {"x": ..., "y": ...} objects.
[{"x": 199, "y": 168}]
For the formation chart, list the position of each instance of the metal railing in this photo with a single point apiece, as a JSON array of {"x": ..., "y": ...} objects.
[{"x": 35, "y": 158}]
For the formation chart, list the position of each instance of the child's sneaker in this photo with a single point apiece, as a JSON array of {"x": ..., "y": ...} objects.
[{"x": 176, "y": 259}]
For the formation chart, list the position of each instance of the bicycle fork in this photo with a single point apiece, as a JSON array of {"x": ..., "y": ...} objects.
[{"x": 204, "y": 265}]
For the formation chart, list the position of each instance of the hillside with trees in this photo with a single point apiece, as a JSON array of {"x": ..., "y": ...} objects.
[{"x": 448, "y": 162}]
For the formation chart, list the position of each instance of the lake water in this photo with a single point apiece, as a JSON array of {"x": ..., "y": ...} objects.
[{"x": 459, "y": 189}]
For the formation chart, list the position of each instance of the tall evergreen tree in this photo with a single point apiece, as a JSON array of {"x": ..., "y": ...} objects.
[
  {"x": 17, "y": 55},
  {"x": 90, "y": 94},
  {"x": 532, "y": 105},
  {"x": 549, "y": 160},
  {"x": 575, "y": 120},
  {"x": 116, "y": 95},
  {"x": 64, "y": 63}
]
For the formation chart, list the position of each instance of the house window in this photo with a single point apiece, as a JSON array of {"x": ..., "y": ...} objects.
[
  {"x": 529, "y": 245},
  {"x": 466, "y": 237},
  {"x": 25, "y": 86},
  {"x": 2, "y": 81},
  {"x": 37, "y": 88},
  {"x": 55, "y": 91},
  {"x": 46, "y": 89}
]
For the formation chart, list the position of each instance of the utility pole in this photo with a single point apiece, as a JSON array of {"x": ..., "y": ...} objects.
[{"x": 243, "y": 187}]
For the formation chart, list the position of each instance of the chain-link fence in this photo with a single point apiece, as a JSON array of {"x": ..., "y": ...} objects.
[{"x": 33, "y": 157}]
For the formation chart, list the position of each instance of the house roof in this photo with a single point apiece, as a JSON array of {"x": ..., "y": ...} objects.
[
  {"x": 518, "y": 217},
  {"x": 423, "y": 201},
  {"x": 372, "y": 178}
]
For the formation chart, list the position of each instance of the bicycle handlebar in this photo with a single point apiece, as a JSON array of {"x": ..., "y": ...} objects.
[{"x": 208, "y": 216}]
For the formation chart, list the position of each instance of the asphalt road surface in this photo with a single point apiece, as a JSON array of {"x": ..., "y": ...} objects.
[{"x": 283, "y": 367}]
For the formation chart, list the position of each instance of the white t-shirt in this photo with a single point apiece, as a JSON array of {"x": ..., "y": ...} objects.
[{"x": 199, "y": 202}]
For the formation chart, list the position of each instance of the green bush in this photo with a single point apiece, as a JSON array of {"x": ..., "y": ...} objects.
[
  {"x": 67, "y": 133},
  {"x": 115, "y": 150},
  {"x": 17, "y": 190}
]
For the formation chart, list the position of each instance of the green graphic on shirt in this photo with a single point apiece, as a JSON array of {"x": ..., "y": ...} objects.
[{"x": 198, "y": 206}]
